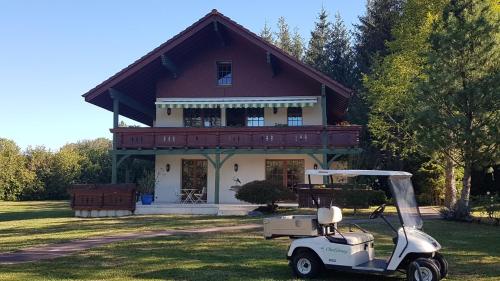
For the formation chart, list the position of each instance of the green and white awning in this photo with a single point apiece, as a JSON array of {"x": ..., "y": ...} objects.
[{"x": 244, "y": 102}]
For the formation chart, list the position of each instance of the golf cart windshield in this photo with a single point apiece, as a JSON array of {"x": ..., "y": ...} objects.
[
  {"x": 404, "y": 196},
  {"x": 401, "y": 187}
]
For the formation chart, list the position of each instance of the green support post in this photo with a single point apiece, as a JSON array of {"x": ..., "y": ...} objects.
[
  {"x": 324, "y": 136},
  {"x": 217, "y": 177},
  {"x": 114, "y": 166}
]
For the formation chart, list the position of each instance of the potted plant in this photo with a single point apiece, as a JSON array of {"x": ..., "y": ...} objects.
[{"x": 146, "y": 187}]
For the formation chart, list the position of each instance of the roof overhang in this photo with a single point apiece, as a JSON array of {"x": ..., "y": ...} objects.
[{"x": 237, "y": 102}]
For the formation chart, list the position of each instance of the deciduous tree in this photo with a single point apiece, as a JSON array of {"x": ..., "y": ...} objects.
[
  {"x": 14, "y": 175},
  {"x": 459, "y": 97}
]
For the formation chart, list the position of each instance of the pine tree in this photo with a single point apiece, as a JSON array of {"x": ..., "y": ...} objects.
[
  {"x": 297, "y": 48},
  {"x": 459, "y": 95},
  {"x": 267, "y": 34},
  {"x": 283, "y": 37},
  {"x": 375, "y": 30},
  {"x": 340, "y": 64},
  {"x": 370, "y": 37},
  {"x": 316, "y": 55}
]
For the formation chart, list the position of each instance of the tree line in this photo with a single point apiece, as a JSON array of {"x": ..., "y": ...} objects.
[
  {"x": 427, "y": 83},
  {"x": 38, "y": 173}
]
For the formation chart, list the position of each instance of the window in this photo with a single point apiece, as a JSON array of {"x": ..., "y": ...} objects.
[
  {"x": 285, "y": 172},
  {"x": 209, "y": 117},
  {"x": 294, "y": 116},
  {"x": 224, "y": 74},
  {"x": 192, "y": 117},
  {"x": 255, "y": 117}
]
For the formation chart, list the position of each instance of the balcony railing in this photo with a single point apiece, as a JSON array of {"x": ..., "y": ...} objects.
[{"x": 245, "y": 137}]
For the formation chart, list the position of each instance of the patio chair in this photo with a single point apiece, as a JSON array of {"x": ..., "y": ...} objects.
[
  {"x": 199, "y": 196},
  {"x": 179, "y": 199}
]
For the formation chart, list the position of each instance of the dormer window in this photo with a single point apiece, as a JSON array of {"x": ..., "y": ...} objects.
[{"x": 224, "y": 74}]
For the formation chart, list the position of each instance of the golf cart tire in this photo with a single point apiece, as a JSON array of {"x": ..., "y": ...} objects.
[
  {"x": 442, "y": 264},
  {"x": 306, "y": 258},
  {"x": 429, "y": 265}
]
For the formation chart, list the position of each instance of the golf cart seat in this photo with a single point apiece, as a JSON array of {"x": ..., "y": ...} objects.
[
  {"x": 333, "y": 215},
  {"x": 355, "y": 238}
]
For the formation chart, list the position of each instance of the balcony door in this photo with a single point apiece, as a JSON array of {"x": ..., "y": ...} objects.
[
  {"x": 236, "y": 117},
  {"x": 194, "y": 176}
]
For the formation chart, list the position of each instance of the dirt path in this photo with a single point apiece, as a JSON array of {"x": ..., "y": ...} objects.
[{"x": 68, "y": 248}]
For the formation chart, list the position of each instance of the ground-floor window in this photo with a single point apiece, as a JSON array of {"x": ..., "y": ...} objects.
[
  {"x": 194, "y": 179},
  {"x": 285, "y": 172}
]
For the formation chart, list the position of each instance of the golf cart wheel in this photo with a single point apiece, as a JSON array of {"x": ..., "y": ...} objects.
[
  {"x": 306, "y": 264},
  {"x": 442, "y": 264},
  {"x": 428, "y": 270}
]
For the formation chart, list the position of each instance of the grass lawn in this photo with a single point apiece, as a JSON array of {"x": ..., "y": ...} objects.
[{"x": 472, "y": 250}]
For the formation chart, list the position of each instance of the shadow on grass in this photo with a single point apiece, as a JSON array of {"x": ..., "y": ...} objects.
[
  {"x": 28, "y": 215},
  {"x": 26, "y": 210}
]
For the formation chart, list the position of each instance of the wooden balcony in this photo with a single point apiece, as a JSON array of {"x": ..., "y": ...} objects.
[{"x": 247, "y": 137}]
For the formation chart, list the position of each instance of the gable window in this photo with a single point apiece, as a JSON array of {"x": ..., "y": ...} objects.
[
  {"x": 255, "y": 117},
  {"x": 224, "y": 74},
  {"x": 294, "y": 116},
  {"x": 207, "y": 117}
]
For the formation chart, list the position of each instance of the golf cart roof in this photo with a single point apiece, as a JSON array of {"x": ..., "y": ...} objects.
[{"x": 354, "y": 173}]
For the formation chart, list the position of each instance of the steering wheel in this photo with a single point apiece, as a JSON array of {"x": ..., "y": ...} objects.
[{"x": 379, "y": 211}]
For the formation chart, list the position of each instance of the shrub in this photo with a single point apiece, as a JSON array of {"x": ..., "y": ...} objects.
[{"x": 264, "y": 192}]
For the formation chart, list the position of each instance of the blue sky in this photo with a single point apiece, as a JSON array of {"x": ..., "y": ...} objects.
[{"x": 51, "y": 52}]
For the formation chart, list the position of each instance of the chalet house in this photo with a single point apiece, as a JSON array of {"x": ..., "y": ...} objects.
[{"x": 223, "y": 107}]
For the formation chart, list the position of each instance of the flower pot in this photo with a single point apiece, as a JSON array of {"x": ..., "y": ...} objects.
[{"x": 146, "y": 199}]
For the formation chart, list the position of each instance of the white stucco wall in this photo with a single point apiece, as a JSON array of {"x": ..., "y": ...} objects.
[
  {"x": 175, "y": 118},
  {"x": 311, "y": 116},
  {"x": 271, "y": 119},
  {"x": 251, "y": 167}
]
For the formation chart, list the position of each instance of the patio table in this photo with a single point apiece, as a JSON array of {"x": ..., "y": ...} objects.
[{"x": 188, "y": 194}]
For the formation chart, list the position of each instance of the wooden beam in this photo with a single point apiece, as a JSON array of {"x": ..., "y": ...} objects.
[
  {"x": 273, "y": 63},
  {"x": 169, "y": 65},
  {"x": 220, "y": 34},
  {"x": 130, "y": 102}
]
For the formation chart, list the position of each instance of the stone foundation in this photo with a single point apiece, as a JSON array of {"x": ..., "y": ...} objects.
[{"x": 102, "y": 213}]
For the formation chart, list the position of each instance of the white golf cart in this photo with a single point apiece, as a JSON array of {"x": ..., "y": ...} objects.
[{"x": 319, "y": 244}]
